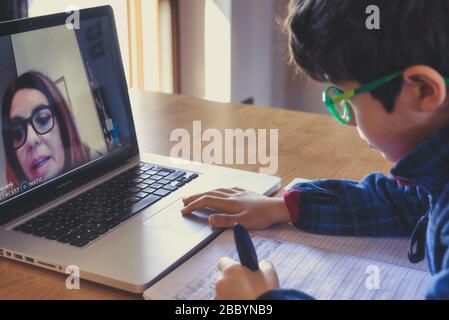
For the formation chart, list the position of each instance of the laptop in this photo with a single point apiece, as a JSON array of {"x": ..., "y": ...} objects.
[{"x": 74, "y": 189}]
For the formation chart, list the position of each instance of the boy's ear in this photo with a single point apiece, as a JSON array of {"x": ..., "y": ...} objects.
[{"x": 428, "y": 87}]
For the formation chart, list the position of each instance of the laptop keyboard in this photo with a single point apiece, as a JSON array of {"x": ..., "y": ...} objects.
[{"x": 83, "y": 219}]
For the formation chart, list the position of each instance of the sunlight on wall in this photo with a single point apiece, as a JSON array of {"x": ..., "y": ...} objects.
[
  {"x": 43, "y": 7},
  {"x": 218, "y": 50}
]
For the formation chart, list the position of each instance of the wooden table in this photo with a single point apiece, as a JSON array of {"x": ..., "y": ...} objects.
[{"x": 310, "y": 146}]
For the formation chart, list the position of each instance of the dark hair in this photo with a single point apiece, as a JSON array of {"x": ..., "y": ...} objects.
[
  {"x": 75, "y": 151},
  {"x": 329, "y": 40}
]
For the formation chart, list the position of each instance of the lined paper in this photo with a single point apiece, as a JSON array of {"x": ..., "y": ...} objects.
[
  {"x": 388, "y": 250},
  {"x": 324, "y": 267}
]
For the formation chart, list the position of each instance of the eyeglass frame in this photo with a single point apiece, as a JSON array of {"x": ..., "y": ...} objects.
[
  {"x": 29, "y": 121},
  {"x": 343, "y": 97}
]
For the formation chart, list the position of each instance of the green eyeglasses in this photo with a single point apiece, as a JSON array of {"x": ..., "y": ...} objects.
[{"x": 337, "y": 101}]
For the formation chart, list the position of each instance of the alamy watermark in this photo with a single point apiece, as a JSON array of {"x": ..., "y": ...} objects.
[
  {"x": 73, "y": 280},
  {"x": 234, "y": 146},
  {"x": 372, "y": 281},
  {"x": 373, "y": 20},
  {"x": 73, "y": 20}
]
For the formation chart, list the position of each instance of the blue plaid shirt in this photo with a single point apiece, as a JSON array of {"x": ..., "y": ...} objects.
[{"x": 417, "y": 207}]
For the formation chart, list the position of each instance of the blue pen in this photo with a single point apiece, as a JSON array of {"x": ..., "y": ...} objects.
[{"x": 245, "y": 248}]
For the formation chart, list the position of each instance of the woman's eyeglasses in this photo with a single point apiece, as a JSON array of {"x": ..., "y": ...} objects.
[
  {"x": 42, "y": 121},
  {"x": 338, "y": 102}
]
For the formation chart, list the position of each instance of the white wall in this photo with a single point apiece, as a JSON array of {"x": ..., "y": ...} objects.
[
  {"x": 191, "y": 27},
  {"x": 259, "y": 56},
  {"x": 253, "y": 52},
  {"x": 55, "y": 52}
]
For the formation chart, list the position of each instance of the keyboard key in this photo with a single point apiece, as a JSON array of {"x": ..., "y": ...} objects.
[
  {"x": 130, "y": 213},
  {"x": 79, "y": 242},
  {"x": 163, "y": 169},
  {"x": 142, "y": 185},
  {"x": 111, "y": 224},
  {"x": 67, "y": 238},
  {"x": 170, "y": 188},
  {"x": 26, "y": 230},
  {"x": 156, "y": 186},
  {"x": 156, "y": 177},
  {"x": 56, "y": 234},
  {"x": 138, "y": 171},
  {"x": 163, "y": 173},
  {"x": 176, "y": 175},
  {"x": 146, "y": 167},
  {"x": 100, "y": 230},
  {"x": 133, "y": 199},
  {"x": 149, "y": 190},
  {"x": 164, "y": 181},
  {"x": 162, "y": 192},
  {"x": 89, "y": 236},
  {"x": 142, "y": 195}
]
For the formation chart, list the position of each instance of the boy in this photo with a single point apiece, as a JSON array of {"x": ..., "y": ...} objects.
[{"x": 400, "y": 105}]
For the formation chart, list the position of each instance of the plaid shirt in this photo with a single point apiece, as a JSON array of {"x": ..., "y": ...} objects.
[{"x": 382, "y": 206}]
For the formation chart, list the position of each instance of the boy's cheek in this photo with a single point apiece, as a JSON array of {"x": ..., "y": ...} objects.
[{"x": 373, "y": 145}]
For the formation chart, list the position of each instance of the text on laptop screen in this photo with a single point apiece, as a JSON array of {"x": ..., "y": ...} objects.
[{"x": 61, "y": 104}]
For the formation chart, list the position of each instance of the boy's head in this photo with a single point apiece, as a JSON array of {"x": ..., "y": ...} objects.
[{"x": 329, "y": 41}]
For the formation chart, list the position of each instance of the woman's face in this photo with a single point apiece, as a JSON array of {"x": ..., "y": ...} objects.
[{"x": 42, "y": 155}]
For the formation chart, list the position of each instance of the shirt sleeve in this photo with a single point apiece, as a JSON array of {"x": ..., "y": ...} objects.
[
  {"x": 376, "y": 206},
  {"x": 439, "y": 287}
]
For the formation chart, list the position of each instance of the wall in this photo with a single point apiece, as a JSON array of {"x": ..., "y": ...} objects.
[
  {"x": 191, "y": 26},
  {"x": 259, "y": 56}
]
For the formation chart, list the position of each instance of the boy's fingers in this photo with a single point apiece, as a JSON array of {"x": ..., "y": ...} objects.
[
  {"x": 226, "y": 190},
  {"x": 215, "y": 193},
  {"x": 238, "y": 189},
  {"x": 223, "y": 220},
  {"x": 225, "y": 263},
  {"x": 211, "y": 202}
]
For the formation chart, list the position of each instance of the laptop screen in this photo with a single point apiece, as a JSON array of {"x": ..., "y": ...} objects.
[{"x": 62, "y": 104}]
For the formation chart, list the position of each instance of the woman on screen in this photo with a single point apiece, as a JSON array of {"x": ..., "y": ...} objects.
[{"x": 40, "y": 137}]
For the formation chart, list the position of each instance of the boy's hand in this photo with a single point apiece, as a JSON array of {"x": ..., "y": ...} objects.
[
  {"x": 249, "y": 209},
  {"x": 240, "y": 283}
]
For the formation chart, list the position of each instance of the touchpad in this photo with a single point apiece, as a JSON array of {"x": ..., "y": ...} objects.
[{"x": 171, "y": 219}]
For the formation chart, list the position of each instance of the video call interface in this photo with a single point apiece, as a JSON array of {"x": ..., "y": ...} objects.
[{"x": 61, "y": 104}]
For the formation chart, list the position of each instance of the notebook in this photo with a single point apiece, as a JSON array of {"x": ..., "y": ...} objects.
[{"x": 326, "y": 267}]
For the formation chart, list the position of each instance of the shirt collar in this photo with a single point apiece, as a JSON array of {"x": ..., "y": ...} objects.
[{"x": 428, "y": 165}]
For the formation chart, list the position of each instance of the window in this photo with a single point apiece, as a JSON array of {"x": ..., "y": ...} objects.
[{"x": 217, "y": 35}]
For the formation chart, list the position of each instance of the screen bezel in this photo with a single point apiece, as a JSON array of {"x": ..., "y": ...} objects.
[{"x": 21, "y": 204}]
